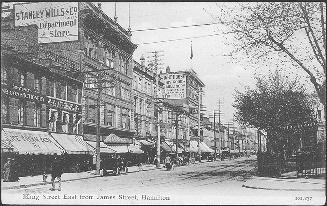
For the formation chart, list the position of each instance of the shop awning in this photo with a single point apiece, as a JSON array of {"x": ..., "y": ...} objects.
[
  {"x": 72, "y": 144},
  {"x": 146, "y": 142},
  {"x": 136, "y": 149},
  {"x": 114, "y": 139},
  {"x": 103, "y": 147},
  {"x": 31, "y": 142},
  {"x": 193, "y": 146},
  {"x": 119, "y": 148},
  {"x": 205, "y": 148},
  {"x": 5, "y": 144},
  {"x": 166, "y": 147},
  {"x": 185, "y": 148},
  {"x": 179, "y": 150}
]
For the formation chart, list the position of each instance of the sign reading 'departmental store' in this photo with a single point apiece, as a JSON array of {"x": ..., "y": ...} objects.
[{"x": 56, "y": 21}]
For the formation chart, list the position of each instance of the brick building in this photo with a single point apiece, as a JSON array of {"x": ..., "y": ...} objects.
[{"x": 57, "y": 57}]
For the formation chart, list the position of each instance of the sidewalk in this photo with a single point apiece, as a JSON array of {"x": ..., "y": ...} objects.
[
  {"x": 286, "y": 183},
  {"x": 30, "y": 181}
]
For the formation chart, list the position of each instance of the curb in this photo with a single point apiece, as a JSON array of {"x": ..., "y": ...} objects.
[
  {"x": 45, "y": 183},
  {"x": 263, "y": 188}
]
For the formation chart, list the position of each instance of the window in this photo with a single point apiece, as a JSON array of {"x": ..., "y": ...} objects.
[
  {"x": 30, "y": 80},
  {"x": 61, "y": 90},
  {"x": 79, "y": 95},
  {"x": 15, "y": 76},
  {"x": 50, "y": 88},
  {"x": 3, "y": 76},
  {"x": 109, "y": 118},
  {"x": 125, "y": 119},
  {"x": 30, "y": 113},
  {"x": 37, "y": 84},
  {"x": 37, "y": 116},
  {"x": 107, "y": 62},
  {"x": 4, "y": 110},
  {"x": 91, "y": 111},
  {"x": 118, "y": 118},
  {"x": 110, "y": 89},
  {"x": 65, "y": 120},
  {"x": 22, "y": 79},
  {"x": 43, "y": 116},
  {"x": 71, "y": 93},
  {"x": 53, "y": 116},
  {"x": 126, "y": 67},
  {"x": 90, "y": 81}
]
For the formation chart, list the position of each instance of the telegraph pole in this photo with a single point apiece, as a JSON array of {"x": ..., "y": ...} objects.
[
  {"x": 98, "y": 160},
  {"x": 199, "y": 123},
  {"x": 214, "y": 133},
  {"x": 100, "y": 79},
  {"x": 176, "y": 126},
  {"x": 155, "y": 64}
]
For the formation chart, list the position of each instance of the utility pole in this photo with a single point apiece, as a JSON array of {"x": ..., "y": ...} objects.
[
  {"x": 155, "y": 63},
  {"x": 228, "y": 140},
  {"x": 199, "y": 123},
  {"x": 100, "y": 79},
  {"x": 219, "y": 123},
  {"x": 176, "y": 126}
]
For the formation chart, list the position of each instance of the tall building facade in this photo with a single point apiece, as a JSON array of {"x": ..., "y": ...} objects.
[
  {"x": 185, "y": 86},
  {"x": 60, "y": 58}
]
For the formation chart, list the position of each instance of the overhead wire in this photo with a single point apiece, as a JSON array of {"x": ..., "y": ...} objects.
[
  {"x": 174, "y": 27},
  {"x": 171, "y": 40}
]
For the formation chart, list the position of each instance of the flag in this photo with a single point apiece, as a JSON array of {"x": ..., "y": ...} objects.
[{"x": 191, "y": 57}]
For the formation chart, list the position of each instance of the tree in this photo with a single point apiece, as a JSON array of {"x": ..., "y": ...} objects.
[
  {"x": 276, "y": 103},
  {"x": 296, "y": 31}
]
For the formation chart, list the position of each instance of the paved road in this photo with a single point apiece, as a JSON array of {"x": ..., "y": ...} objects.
[{"x": 203, "y": 183}]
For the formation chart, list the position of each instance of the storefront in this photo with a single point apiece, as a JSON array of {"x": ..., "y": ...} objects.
[
  {"x": 106, "y": 153},
  {"x": 33, "y": 150},
  {"x": 149, "y": 149},
  {"x": 37, "y": 99},
  {"x": 78, "y": 154}
]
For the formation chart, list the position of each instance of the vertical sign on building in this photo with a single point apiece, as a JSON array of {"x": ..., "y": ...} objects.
[{"x": 56, "y": 21}]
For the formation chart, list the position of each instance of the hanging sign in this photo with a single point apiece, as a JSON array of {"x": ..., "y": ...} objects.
[{"x": 56, "y": 21}]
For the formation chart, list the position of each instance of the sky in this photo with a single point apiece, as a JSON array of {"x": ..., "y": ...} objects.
[{"x": 219, "y": 75}]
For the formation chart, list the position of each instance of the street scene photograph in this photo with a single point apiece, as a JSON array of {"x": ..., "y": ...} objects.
[{"x": 163, "y": 103}]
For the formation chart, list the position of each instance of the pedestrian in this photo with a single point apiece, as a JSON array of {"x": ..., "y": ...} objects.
[
  {"x": 168, "y": 162},
  {"x": 46, "y": 169},
  {"x": 56, "y": 172}
]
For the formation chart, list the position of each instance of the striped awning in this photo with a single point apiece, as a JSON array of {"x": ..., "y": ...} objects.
[
  {"x": 5, "y": 144},
  {"x": 193, "y": 146},
  {"x": 166, "y": 147},
  {"x": 114, "y": 139},
  {"x": 119, "y": 148},
  {"x": 103, "y": 148},
  {"x": 205, "y": 148},
  {"x": 136, "y": 149},
  {"x": 146, "y": 142},
  {"x": 73, "y": 144},
  {"x": 179, "y": 150},
  {"x": 31, "y": 142}
]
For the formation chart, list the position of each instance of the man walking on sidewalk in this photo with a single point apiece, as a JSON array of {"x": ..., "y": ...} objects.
[{"x": 56, "y": 172}]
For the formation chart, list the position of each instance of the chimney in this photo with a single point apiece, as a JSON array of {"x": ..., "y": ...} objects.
[
  {"x": 167, "y": 69},
  {"x": 99, "y": 6}
]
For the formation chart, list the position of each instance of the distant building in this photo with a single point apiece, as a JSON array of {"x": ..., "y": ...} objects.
[{"x": 188, "y": 86}]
